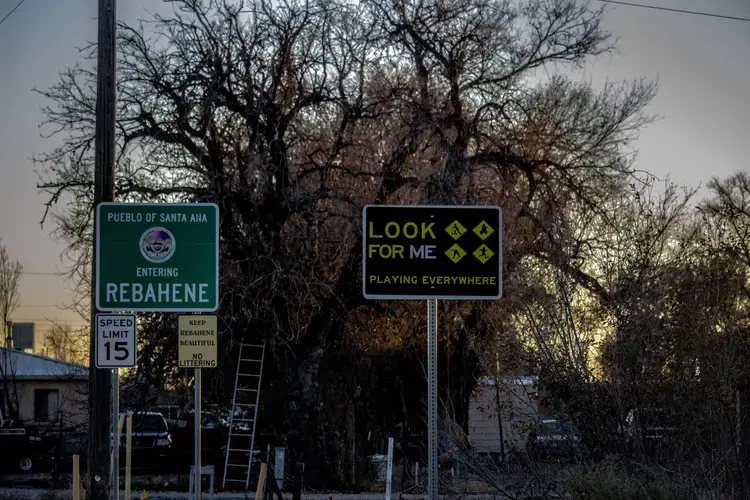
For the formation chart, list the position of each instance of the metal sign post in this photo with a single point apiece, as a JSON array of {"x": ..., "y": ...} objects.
[
  {"x": 432, "y": 401},
  {"x": 128, "y": 453},
  {"x": 197, "y": 339},
  {"x": 116, "y": 434},
  {"x": 432, "y": 252},
  {"x": 197, "y": 469},
  {"x": 115, "y": 349}
]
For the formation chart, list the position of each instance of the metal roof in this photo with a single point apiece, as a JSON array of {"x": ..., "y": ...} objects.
[{"x": 20, "y": 365}]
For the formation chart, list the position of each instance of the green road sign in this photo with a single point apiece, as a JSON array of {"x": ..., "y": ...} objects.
[{"x": 157, "y": 257}]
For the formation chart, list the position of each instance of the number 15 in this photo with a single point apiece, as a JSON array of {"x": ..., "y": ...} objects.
[{"x": 119, "y": 347}]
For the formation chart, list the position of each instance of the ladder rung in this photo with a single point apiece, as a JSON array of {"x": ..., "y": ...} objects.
[
  {"x": 249, "y": 374},
  {"x": 252, "y": 345},
  {"x": 241, "y": 434},
  {"x": 237, "y": 449},
  {"x": 250, "y": 360},
  {"x": 237, "y": 465},
  {"x": 244, "y": 404},
  {"x": 242, "y": 389},
  {"x": 243, "y": 420},
  {"x": 236, "y": 481}
]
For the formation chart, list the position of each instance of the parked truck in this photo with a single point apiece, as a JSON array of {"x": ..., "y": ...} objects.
[{"x": 17, "y": 445}]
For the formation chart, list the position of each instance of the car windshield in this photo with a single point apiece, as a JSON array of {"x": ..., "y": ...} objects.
[{"x": 149, "y": 423}]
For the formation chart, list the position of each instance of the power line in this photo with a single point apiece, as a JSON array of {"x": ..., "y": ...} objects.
[
  {"x": 43, "y": 305},
  {"x": 47, "y": 273},
  {"x": 50, "y": 321},
  {"x": 11, "y": 12},
  {"x": 679, "y": 11}
]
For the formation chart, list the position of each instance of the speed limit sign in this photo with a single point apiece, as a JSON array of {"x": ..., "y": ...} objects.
[{"x": 115, "y": 340}]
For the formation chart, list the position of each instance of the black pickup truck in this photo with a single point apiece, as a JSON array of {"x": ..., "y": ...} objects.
[{"x": 19, "y": 448}]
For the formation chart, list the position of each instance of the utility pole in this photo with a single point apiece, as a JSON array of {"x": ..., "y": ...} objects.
[{"x": 100, "y": 384}]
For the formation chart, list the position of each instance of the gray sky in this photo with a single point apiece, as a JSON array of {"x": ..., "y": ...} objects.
[{"x": 702, "y": 63}]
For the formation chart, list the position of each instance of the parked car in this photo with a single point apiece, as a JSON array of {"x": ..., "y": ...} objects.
[
  {"x": 151, "y": 441},
  {"x": 214, "y": 431},
  {"x": 554, "y": 439}
]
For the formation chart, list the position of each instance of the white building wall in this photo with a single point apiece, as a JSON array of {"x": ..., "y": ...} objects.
[{"x": 519, "y": 409}]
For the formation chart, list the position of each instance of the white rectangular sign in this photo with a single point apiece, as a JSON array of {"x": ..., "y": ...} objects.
[
  {"x": 115, "y": 340},
  {"x": 197, "y": 335}
]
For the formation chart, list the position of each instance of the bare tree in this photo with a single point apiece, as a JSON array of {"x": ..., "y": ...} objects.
[
  {"x": 67, "y": 344},
  {"x": 293, "y": 115},
  {"x": 729, "y": 209},
  {"x": 10, "y": 280}
]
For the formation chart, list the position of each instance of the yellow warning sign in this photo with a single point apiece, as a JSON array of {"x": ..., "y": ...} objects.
[
  {"x": 483, "y": 230},
  {"x": 455, "y": 253},
  {"x": 197, "y": 341},
  {"x": 455, "y": 230},
  {"x": 483, "y": 253},
  {"x": 144, "y": 495}
]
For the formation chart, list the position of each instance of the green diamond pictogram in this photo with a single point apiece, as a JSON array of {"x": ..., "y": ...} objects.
[
  {"x": 455, "y": 230},
  {"x": 483, "y": 230},
  {"x": 483, "y": 254},
  {"x": 455, "y": 253}
]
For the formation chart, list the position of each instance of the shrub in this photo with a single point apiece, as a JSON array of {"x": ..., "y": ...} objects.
[{"x": 610, "y": 481}]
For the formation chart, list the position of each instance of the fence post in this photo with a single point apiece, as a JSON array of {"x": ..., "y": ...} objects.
[
  {"x": 76, "y": 479},
  {"x": 389, "y": 470},
  {"x": 272, "y": 484},
  {"x": 261, "y": 481},
  {"x": 299, "y": 473}
]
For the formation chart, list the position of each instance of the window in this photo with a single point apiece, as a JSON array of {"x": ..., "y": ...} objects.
[{"x": 46, "y": 404}]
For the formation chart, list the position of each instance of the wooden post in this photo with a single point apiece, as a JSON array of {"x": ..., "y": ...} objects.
[
  {"x": 105, "y": 146},
  {"x": 76, "y": 479},
  {"x": 120, "y": 425},
  {"x": 128, "y": 452},
  {"x": 261, "y": 481},
  {"x": 120, "y": 419}
]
